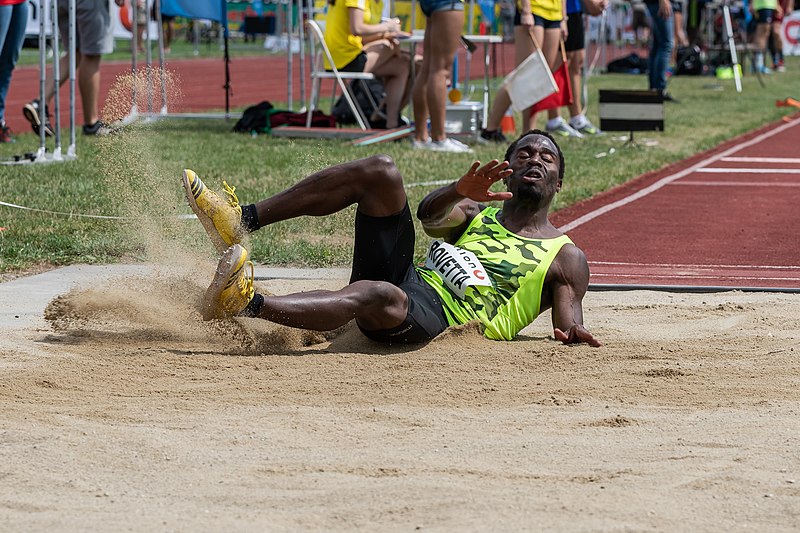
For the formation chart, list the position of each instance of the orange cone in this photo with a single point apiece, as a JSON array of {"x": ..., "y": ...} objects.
[{"x": 507, "y": 123}]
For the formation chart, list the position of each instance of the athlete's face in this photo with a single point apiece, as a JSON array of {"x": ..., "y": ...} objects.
[{"x": 535, "y": 165}]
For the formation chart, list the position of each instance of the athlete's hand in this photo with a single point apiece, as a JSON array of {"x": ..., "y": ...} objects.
[
  {"x": 476, "y": 182},
  {"x": 526, "y": 19},
  {"x": 576, "y": 334}
]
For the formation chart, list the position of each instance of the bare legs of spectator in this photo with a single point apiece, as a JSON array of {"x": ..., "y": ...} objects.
[
  {"x": 387, "y": 62},
  {"x": 88, "y": 67},
  {"x": 442, "y": 33}
]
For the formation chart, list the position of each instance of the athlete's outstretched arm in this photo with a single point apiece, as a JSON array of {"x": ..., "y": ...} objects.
[
  {"x": 447, "y": 211},
  {"x": 570, "y": 281}
]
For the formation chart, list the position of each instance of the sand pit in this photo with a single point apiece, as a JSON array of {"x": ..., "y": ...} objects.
[{"x": 123, "y": 410}]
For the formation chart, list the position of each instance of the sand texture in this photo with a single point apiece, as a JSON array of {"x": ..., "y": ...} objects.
[{"x": 124, "y": 411}]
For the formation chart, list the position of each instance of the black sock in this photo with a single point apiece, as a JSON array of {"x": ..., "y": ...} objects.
[
  {"x": 250, "y": 218},
  {"x": 254, "y": 307}
]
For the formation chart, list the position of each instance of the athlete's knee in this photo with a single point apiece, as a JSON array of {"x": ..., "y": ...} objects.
[
  {"x": 381, "y": 304},
  {"x": 381, "y": 171}
]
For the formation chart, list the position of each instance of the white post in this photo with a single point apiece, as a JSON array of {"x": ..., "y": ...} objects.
[
  {"x": 40, "y": 153},
  {"x": 56, "y": 78},
  {"x": 160, "y": 24},
  {"x": 72, "y": 49},
  {"x": 732, "y": 45}
]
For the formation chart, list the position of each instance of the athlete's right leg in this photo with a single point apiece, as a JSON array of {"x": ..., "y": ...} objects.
[{"x": 373, "y": 183}]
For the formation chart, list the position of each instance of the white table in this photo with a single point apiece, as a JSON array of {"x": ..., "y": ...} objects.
[{"x": 486, "y": 40}]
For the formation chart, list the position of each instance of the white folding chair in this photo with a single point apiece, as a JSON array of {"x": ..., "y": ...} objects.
[{"x": 318, "y": 73}]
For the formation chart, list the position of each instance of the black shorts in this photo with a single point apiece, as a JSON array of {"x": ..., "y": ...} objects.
[
  {"x": 576, "y": 34},
  {"x": 537, "y": 21},
  {"x": 356, "y": 65},
  {"x": 765, "y": 16},
  {"x": 384, "y": 251}
]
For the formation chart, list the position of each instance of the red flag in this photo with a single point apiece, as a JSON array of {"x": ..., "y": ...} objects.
[{"x": 564, "y": 95}]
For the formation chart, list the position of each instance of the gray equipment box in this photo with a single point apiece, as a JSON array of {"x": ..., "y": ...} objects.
[{"x": 463, "y": 118}]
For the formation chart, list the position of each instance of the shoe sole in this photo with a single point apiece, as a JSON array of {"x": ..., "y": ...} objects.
[
  {"x": 567, "y": 135},
  {"x": 36, "y": 122},
  {"x": 205, "y": 220},
  {"x": 232, "y": 260}
]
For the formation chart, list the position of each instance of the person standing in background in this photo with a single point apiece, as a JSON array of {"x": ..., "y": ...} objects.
[
  {"x": 662, "y": 41},
  {"x": 544, "y": 21},
  {"x": 785, "y": 7},
  {"x": 94, "y": 37},
  {"x": 764, "y": 12},
  {"x": 576, "y": 56},
  {"x": 13, "y": 20},
  {"x": 444, "y": 23}
]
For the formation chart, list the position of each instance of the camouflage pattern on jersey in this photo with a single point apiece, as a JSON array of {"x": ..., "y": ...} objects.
[{"x": 517, "y": 267}]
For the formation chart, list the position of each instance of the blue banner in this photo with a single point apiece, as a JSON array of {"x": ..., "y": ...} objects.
[{"x": 215, "y": 10}]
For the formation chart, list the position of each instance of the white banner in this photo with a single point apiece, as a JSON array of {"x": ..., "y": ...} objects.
[
  {"x": 790, "y": 32},
  {"x": 120, "y": 32}
]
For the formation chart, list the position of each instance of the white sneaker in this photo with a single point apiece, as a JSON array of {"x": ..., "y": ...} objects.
[
  {"x": 447, "y": 145},
  {"x": 420, "y": 145},
  {"x": 458, "y": 143},
  {"x": 585, "y": 127},
  {"x": 564, "y": 130}
]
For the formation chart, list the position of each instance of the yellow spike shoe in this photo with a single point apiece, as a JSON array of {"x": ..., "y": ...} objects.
[
  {"x": 232, "y": 287},
  {"x": 221, "y": 217}
]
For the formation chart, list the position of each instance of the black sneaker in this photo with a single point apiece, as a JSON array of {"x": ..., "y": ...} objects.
[
  {"x": 98, "y": 128},
  {"x": 32, "y": 112},
  {"x": 491, "y": 136},
  {"x": 669, "y": 98}
]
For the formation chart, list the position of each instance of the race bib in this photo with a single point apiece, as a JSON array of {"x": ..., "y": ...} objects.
[{"x": 458, "y": 268}]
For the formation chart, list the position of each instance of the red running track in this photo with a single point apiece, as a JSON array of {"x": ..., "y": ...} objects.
[
  {"x": 253, "y": 79},
  {"x": 727, "y": 217}
]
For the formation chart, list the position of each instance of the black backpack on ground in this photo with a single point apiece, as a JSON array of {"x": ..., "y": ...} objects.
[
  {"x": 630, "y": 64},
  {"x": 254, "y": 119},
  {"x": 341, "y": 110},
  {"x": 262, "y": 117},
  {"x": 689, "y": 62}
]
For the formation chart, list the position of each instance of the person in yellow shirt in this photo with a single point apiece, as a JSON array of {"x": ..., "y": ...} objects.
[{"x": 356, "y": 45}]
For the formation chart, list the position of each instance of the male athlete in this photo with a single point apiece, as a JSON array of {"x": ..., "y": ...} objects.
[{"x": 499, "y": 266}]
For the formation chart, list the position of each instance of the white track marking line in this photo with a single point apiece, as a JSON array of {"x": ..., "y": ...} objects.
[
  {"x": 673, "y": 265},
  {"x": 729, "y": 278},
  {"x": 669, "y": 179},
  {"x": 787, "y": 160},
  {"x": 734, "y": 184},
  {"x": 718, "y": 170}
]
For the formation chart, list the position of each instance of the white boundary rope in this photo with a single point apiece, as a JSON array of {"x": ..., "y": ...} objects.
[{"x": 82, "y": 215}]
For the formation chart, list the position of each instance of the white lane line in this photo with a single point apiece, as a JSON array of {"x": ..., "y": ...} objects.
[
  {"x": 787, "y": 160},
  {"x": 679, "y": 265},
  {"x": 717, "y": 170},
  {"x": 672, "y": 177},
  {"x": 728, "y": 278},
  {"x": 735, "y": 184}
]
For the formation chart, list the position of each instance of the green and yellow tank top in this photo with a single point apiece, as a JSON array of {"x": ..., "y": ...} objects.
[{"x": 516, "y": 267}]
